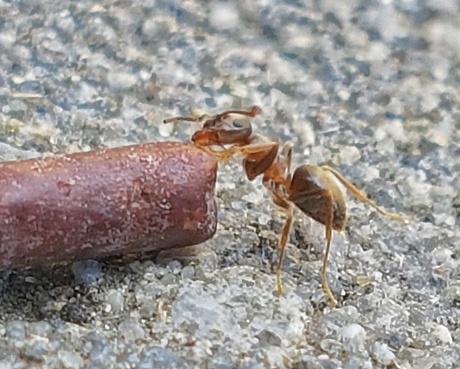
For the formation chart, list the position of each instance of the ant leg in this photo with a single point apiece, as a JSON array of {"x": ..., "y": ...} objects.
[
  {"x": 282, "y": 246},
  {"x": 256, "y": 153},
  {"x": 254, "y": 149},
  {"x": 258, "y": 158},
  {"x": 222, "y": 155},
  {"x": 361, "y": 196},
  {"x": 323, "y": 273},
  {"x": 289, "y": 211},
  {"x": 318, "y": 204}
]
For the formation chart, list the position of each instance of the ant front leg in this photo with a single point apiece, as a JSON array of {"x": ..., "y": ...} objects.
[
  {"x": 258, "y": 157},
  {"x": 223, "y": 155},
  {"x": 276, "y": 180}
]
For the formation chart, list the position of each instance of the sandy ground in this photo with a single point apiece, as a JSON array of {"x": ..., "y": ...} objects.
[{"x": 370, "y": 88}]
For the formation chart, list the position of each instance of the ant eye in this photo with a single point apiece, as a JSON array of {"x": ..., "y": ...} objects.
[{"x": 237, "y": 124}]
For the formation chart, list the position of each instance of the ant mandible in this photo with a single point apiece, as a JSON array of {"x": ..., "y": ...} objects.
[{"x": 313, "y": 189}]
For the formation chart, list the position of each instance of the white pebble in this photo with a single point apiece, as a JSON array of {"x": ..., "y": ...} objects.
[
  {"x": 383, "y": 354},
  {"x": 166, "y": 130},
  {"x": 442, "y": 333},
  {"x": 349, "y": 155},
  {"x": 353, "y": 336},
  {"x": 70, "y": 360},
  {"x": 121, "y": 80},
  {"x": 224, "y": 15},
  {"x": 115, "y": 301}
]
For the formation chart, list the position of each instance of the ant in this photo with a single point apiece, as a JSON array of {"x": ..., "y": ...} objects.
[{"x": 312, "y": 189}]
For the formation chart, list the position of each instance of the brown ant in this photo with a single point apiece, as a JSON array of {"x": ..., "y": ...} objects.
[{"x": 313, "y": 189}]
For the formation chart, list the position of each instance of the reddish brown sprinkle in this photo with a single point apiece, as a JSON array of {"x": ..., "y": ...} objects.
[{"x": 129, "y": 199}]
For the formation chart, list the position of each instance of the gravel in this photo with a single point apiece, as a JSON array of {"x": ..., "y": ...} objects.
[{"x": 370, "y": 88}]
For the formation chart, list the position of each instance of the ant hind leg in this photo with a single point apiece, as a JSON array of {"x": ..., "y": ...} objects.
[{"x": 361, "y": 196}]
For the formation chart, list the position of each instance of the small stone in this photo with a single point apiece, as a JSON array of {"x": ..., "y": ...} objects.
[
  {"x": 383, "y": 354},
  {"x": 223, "y": 15},
  {"x": 349, "y": 155},
  {"x": 202, "y": 314},
  {"x": 269, "y": 338},
  {"x": 160, "y": 358},
  {"x": 115, "y": 301},
  {"x": 15, "y": 107},
  {"x": 189, "y": 57},
  {"x": 220, "y": 361},
  {"x": 41, "y": 329},
  {"x": 166, "y": 130},
  {"x": 87, "y": 272},
  {"x": 148, "y": 307},
  {"x": 330, "y": 346},
  {"x": 7, "y": 363},
  {"x": 442, "y": 133},
  {"x": 175, "y": 266},
  {"x": 326, "y": 363},
  {"x": 8, "y": 152},
  {"x": 36, "y": 349},
  {"x": 131, "y": 329},
  {"x": 442, "y": 333},
  {"x": 188, "y": 272},
  {"x": 70, "y": 360},
  {"x": 64, "y": 22},
  {"x": 352, "y": 337},
  {"x": 7, "y": 39},
  {"x": 16, "y": 331},
  {"x": 358, "y": 362},
  {"x": 340, "y": 317},
  {"x": 320, "y": 154},
  {"x": 168, "y": 279},
  {"x": 129, "y": 355},
  {"x": 441, "y": 255},
  {"x": 30, "y": 87},
  {"x": 309, "y": 362},
  {"x": 101, "y": 350},
  {"x": 238, "y": 205},
  {"x": 264, "y": 219},
  {"x": 208, "y": 263},
  {"x": 305, "y": 132},
  {"x": 255, "y": 196},
  {"x": 120, "y": 80}
]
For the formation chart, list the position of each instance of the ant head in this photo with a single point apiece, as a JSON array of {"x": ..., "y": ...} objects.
[
  {"x": 227, "y": 128},
  {"x": 231, "y": 120},
  {"x": 227, "y": 122}
]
